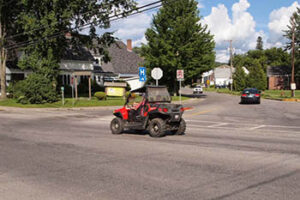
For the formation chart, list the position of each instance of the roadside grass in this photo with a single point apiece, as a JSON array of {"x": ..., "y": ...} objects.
[
  {"x": 280, "y": 94},
  {"x": 271, "y": 94},
  {"x": 222, "y": 90},
  {"x": 70, "y": 103}
]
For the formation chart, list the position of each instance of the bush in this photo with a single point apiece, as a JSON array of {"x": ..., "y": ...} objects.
[
  {"x": 100, "y": 95},
  {"x": 35, "y": 89}
]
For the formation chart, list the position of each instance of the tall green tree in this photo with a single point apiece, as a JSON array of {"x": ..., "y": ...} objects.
[
  {"x": 9, "y": 11},
  {"x": 177, "y": 40},
  {"x": 256, "y": 78},
  {"x": 46, "y": 22},
  {"x": 239, "y": 79},
  {"x": 259, "y": 43}
]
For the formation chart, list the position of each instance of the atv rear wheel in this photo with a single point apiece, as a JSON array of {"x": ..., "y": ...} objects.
[
  {"x": 181, "y": 128},
  {"x": 117, "y": 125},
  {"x": 157, "y": 127}
]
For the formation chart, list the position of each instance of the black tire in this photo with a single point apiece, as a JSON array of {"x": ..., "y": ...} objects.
[
  {"x": 117, "y": 125},
  {"x": 258, "y": 102},
  {"x": 181, "y": 129},
  {"x": 157, "y": 127}
]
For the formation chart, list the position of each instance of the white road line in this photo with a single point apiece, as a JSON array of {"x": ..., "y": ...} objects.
[
  {"x": 257, "y": 127},
  {"x": 278, "y": 126},
  {"x": 239, "y": 128},
  {"x": 190, "y": 120},
  {"x": 266, "y": 125},
  {"x": 217, "y": 125}
]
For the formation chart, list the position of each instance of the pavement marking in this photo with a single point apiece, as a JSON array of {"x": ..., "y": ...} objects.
[
  {"x": 240, "y": 128},
  {"x": 278, "y": 126},
  {"x": 257, "y": 127},
  {"x": 199, "y": 113},
  {"x": 217, "y": 125}
]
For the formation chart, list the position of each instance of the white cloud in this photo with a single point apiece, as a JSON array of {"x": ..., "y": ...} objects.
[
  {"x": 279, "y": 19},
  {"x": 240, "y": 29}
]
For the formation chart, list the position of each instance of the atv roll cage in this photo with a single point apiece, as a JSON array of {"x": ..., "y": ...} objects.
[{"x": 153, "y": 94}]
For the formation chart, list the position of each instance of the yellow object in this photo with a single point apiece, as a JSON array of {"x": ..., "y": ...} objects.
[{"x": 115, "y": 91}]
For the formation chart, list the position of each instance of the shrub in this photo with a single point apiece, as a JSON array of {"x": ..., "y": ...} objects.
[
  {"x": 35, "y": 89},
  {"x": 100, "y": 95}
]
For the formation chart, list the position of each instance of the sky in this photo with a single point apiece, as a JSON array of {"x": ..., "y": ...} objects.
[{"x": 239, "y": 20}]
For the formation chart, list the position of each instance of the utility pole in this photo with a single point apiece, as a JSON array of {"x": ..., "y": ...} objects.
[
  {"x": 293, "y": 57},
  {"x": 231, "y": 61}
]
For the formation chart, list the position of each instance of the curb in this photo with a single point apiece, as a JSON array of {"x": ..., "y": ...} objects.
[
  {"x": 287, "y": 100},
  {"x": 291, "y": 100}
]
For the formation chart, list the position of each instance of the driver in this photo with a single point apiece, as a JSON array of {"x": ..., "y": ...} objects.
[{"x": 133, "y": 107}]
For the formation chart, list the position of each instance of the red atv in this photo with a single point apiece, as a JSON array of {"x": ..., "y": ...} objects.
[{"x": 154, "y": 113}]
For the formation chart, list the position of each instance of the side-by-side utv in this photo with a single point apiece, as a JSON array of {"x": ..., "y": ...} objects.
[{"x": 154, "y": 113}]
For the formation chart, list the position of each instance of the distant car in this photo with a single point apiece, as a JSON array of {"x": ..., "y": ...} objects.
[
  {"x": 198, "y": 90},
  {"x": 250, "y": 95}
]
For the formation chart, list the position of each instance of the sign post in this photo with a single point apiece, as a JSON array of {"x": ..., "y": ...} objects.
[
  {"x": 157, "y": 74},
  {"x": 62, "y": 95},
  {"x": 180, "y": 77},
  {"x": 72, "y": 84}
]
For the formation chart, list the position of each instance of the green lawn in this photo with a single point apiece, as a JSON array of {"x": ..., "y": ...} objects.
[
  {"x": 273, "y": 94},
  {"x": 69, "y": 103},
  {"x": 280, "y": 94}
]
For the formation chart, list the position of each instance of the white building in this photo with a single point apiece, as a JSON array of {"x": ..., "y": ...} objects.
[{"x": 220, "y": 76}]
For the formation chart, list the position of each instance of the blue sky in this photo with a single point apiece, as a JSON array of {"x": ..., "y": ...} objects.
[{"x": 240, "y": 20}]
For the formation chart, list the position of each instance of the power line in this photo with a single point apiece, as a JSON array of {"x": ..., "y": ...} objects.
[
  {"x": 27, "y": 43},
  {"x": 37, "y": 29}
]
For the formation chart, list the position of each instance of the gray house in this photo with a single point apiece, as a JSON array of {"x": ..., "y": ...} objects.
[{"x": 124, "y": 64}]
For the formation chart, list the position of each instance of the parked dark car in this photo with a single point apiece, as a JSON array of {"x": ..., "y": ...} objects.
[{"x": 250, "y": 95}]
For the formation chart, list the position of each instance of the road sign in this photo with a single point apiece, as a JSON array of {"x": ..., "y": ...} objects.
[
  {"x": 293, "y": 86},
  {"x": 180, "y": 74},
  {"x": 142, "y": 74},
  {"x": 156, "y": 73}
]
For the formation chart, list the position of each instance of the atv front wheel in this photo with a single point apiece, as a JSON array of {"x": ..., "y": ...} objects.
[
  {"x": 181, "y": 128},
  {"x": 117, "y": 125},
  {"x": 157, "y": 127}
]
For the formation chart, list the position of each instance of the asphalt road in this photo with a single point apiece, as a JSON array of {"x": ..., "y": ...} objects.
[{"x": 230, "y": 151}]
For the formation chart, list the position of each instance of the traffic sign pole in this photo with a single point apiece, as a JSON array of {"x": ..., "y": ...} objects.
[
  {"x": 180, "y": 90},
  {"x": 180, "y": 77}
]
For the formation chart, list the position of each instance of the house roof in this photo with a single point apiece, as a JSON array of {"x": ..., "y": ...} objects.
[
  {"x": 122, "y": 61},
  {"x": 278, "y": 71},
  {"x": 78, "y": 54}
]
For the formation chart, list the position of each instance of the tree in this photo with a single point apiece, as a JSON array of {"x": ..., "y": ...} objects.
[
  {"x": 9, "y": 12},
  {"x": 177, "y": 40},
  {"x": 259, "y": 43},
  {"x": 46, "y": 23},
  {"x": 257, "y": 77},
  {"x": 137, "y": 50},
  {"x": 239, "y": 79}
]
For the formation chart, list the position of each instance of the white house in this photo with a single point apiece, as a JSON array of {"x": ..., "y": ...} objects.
[{"x": 220, "y": 76}]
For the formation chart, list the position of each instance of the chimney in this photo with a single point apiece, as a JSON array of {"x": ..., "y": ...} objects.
[{"x": 129, "y": 45}]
